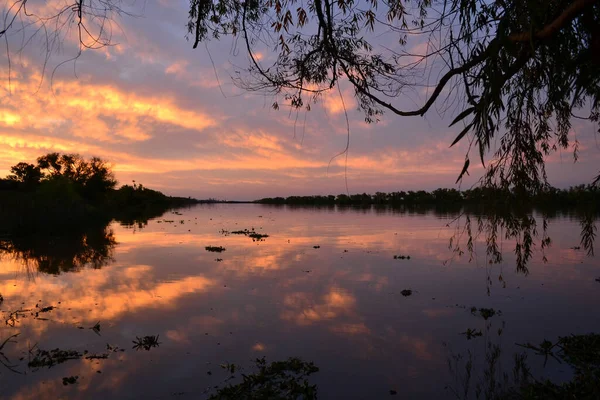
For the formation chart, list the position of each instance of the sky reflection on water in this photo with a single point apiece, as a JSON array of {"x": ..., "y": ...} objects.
[{"x": 339, "y": 305}]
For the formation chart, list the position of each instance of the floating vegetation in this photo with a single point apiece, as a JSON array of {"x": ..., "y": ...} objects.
[
  {"x": 278, "y": 380},
  {"x": 13, "y": 317},
  {"x": 146, "y": 342},
  {"x": 1, "y": 299},
  {"x": 218, "y": 259},
  {"x": 486, "y": 313},
  {"x": 215, "y": 249},
  {"x": 406, "y": 292},
  {"x": 44, "y": 358},
  {"x": 472, "y": 333},
  {"x": 316, "y": 247},
  {"x": 401, "y": 257},
  {"x": 251, "y": 233},
  {"x": 229, "y": 367},
  {"x": 258, "y": 237},
  {"x": 70, "y": 380}
]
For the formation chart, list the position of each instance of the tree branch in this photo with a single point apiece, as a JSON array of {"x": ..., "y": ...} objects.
[{"x": 570, "y": 13}]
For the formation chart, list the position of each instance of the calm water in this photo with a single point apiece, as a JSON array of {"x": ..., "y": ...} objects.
[{"x": 339, "y": 305}]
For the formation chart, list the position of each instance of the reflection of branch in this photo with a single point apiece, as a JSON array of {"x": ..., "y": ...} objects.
[{"x": 3, "y": 359}]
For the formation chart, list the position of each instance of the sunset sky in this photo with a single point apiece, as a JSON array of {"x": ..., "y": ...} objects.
[{"x": 153, "y": 107}]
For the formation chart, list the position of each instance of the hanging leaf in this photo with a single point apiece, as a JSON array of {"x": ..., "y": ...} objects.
[
  {"x": 462, "y": 115},
  {"x": 462, "y": 134},
  {"x": 464, "y": 170}
]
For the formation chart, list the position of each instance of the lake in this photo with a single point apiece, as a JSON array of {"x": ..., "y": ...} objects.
[{"x": 375, "y": 298}]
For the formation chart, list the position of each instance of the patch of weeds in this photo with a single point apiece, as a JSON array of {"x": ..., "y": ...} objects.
[
  {"x": 14, "y": 317},
  {"x": 316, "y": 247},
  {"x": 597, "y": 279},
  {"x": 251, "y": 233},
  {"x": 215, "y": 249},
  {"x": 258, "y": 237},
  {"x": 401, "y": 257},
  {"x": 70, "y": 380},
  {"x": 406, "y": 292},
  {"x": 45, "y": 358},
  {"x": 277, "y": 380},
  {"x": 472, "y": 333},
  {"x": 229, "y": 367},
  {"x": 146, "y": 342},
  {"x": 581, "y": 350},
  {"x": 485, "y": 313},
  {"x": 218, "y": 259},
  {"x": 1, "y": 299}
]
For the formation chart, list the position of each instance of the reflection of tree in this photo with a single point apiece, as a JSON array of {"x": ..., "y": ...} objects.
[
  {"x": 91, "y": 246},
  {"x": 485, "y": 376},
  {"x": 519, "y": 227}
]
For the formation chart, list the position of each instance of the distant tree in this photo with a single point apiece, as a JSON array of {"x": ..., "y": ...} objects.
[
  {"x": 25, "y": 173},
  {"x": 90, "y": 179}
]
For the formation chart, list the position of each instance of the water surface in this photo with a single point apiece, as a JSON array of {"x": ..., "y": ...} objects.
[{"x": 324, "y": 286}]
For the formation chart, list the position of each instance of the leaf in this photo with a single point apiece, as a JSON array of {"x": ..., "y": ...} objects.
[
  {"x": 464, "y": 170},
  {"x": 462, "y": 115},
  {"x": 462, "y": 134}
]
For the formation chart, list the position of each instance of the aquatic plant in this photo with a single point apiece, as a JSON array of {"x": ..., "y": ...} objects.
[
  {"x": 49, "y": 358},
  {"x": 472, "y": 333},
  {"x": 146, "y": 342},
  {"x": 70, "y": 380},
  {"x": 406, "y": 292},
  {"x": 215, "y": 249},
  {"x": 486, "y": 313},
  {"x": 277, "y": 380},
  {"x": 251, "y": 233}
]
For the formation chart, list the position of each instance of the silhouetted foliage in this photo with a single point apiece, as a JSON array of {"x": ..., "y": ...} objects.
[
  {"x": 66, "y": 190},
  {"x": 578, "y": 196}
]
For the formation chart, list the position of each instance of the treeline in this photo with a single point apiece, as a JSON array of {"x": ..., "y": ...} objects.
[
  {"x": 61, "y": 190},
  {"x": 583, "y": 195}
]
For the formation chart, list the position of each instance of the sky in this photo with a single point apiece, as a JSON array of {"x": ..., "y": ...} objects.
[{"x": 163, "y": 116}]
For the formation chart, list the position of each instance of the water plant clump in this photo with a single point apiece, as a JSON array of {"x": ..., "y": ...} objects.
[
  {"x": 401, "y": 257},
  {"x": 146, "y": 342},
  {"x": 251, "y": 233},
  {"x": 277, "y": 380},
  {"x": 50, "y": 358},
  {"x": 215, "y": 249},
  {"x": 406, "y": 292},
  {"x": 485, "y": 313},
  {"x": 70, "y": 380},
  {"x": 472, "y": 333}
]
